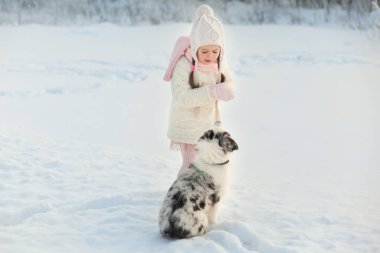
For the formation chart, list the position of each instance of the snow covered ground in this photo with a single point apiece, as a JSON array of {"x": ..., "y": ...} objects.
[{"x": 85, "y": 162}]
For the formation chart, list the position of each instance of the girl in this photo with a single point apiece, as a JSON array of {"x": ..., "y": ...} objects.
[{"x": 199, "y": 80}]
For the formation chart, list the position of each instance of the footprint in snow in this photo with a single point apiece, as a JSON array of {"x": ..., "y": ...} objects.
[{"x": 237, "y": 236}]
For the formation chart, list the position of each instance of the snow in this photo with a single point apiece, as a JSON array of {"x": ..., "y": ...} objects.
[{"x": 85, "y": 162}]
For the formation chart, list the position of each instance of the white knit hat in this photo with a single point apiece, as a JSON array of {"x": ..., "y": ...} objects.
[{"x": 207, "y": 30}]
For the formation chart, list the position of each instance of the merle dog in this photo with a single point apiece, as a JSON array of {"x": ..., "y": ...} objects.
[{"x": 192, "y": 201}]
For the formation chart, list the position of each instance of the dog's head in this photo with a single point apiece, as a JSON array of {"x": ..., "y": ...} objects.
[{"x": 215, "y": 145}]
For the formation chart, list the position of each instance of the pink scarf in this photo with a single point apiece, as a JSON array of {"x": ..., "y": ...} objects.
[
  {"x": 182, "y": 47},
  {"x": 207, "y": 68}
]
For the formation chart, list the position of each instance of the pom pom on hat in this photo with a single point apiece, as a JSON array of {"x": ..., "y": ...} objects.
[{"x": 204, "y": 9}]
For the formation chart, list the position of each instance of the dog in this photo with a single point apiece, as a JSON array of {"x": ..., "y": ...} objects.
[{"x": 192, "y": 202}]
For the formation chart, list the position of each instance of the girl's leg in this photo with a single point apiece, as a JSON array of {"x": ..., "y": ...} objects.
[{"x": 188, "y": 155}]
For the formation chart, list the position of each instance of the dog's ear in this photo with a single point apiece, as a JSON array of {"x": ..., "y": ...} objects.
[
  {"x": 209, "y": 135},
  {"x": 227, "y": 143}
]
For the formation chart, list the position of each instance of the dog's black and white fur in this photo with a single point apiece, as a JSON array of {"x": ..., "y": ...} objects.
[{"x": 192, "y": 201}]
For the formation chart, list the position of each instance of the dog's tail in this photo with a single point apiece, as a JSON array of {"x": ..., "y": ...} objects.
[{"x": 175, "y": 232}]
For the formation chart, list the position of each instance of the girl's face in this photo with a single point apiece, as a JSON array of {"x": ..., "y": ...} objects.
[{"x": 208, "y": 54}]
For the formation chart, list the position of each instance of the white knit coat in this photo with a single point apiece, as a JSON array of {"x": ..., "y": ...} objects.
[{"x": 192, "y": 111}]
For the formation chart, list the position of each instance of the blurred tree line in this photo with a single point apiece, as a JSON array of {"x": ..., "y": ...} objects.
[{"x": 353, "y": 13}]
